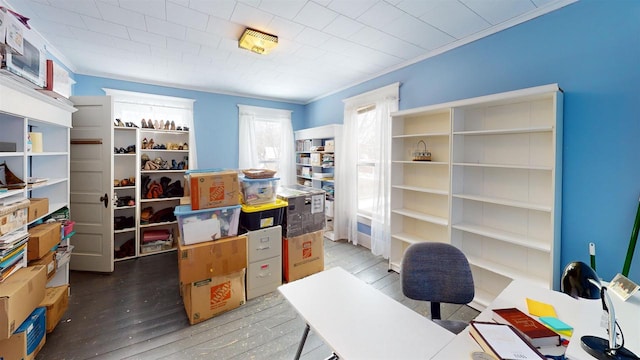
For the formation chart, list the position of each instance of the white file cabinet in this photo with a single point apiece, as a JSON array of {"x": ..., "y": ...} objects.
[{"x": 264, "y": 273}]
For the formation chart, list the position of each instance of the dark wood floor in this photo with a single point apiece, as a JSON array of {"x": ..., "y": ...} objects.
[{"x": 137, "y": 313}]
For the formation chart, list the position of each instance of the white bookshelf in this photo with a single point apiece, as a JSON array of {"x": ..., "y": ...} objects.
[{"x": 502, "y": 185}]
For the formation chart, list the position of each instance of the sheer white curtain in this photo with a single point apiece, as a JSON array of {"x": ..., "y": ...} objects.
[
  {"x": 384, "y": 101},
  {"x": 252, "y": 140},
  {"x": 346, "y": 209},
  {"x": 380, "y": 217}
]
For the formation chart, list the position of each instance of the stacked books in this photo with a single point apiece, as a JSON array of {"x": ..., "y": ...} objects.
[
  {"x": 13, "y": 252},
  {"x": 503, "y": 341},
  {"x": 532, "y": 330}
]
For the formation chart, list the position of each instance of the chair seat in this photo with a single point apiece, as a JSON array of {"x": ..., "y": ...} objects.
[{"x": 455, "y": 326}]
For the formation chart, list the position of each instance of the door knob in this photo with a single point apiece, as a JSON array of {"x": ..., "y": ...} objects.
[{"x": 105, "y": 200}]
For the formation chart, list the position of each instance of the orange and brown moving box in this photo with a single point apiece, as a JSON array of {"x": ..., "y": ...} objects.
[
  {"x": 42, "y": 239},
  {"x": 302, "y": 255},
  {"x": 56, "y": 301},
  {"x": 20, "y": 294},
  {"x": 49, "y": 261},
  {"x": 205, "y": 299},
  {"x": 38, "y": 207},
  {"x": 28, "y": 339},
  {"x": 205, "y": 260},
  {"x": 214, "y": 189}
]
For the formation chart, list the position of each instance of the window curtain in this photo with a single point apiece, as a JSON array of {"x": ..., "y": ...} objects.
[
  {"x": 380, "y": 217},
  {"x": 346, "y": 209},
  {"x": 248, "y": 140},
  {"x": 386, "y": 101}
]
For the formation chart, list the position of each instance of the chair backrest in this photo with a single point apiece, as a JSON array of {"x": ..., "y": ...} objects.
[{"x": 436, "y": 272}]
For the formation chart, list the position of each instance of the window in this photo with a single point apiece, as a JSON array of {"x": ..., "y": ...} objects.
[
  {"x": 266, "y": 141},
  {"x": 365, "y": 166},
  {"x": 366, "y": 161}
]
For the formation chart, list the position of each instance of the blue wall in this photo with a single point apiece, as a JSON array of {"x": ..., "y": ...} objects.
[
  {"x": 215, "y": 116},
  {"x": 592, "y": 50}
]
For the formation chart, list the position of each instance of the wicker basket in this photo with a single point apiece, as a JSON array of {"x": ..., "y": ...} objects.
[
  {"x": 421, "y": 153},
  {"x": 258, "y": 173}
]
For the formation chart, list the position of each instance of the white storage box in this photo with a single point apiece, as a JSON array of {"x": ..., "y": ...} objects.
[
  {"x": 259, "y": 191},
  {"x": 198, "y": 226}
]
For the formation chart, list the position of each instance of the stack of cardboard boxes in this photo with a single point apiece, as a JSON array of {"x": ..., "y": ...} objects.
[
  {"x": 212, "y": 259},
  {"x": 28, "y": 309},
  {"x": 303, "y": 241}
]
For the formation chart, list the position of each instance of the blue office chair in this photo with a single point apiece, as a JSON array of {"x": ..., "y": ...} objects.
[{"x": 439, "y": 273}]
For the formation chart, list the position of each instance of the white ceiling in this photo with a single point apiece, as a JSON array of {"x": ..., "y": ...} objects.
[{"x": 324, "y": 45}]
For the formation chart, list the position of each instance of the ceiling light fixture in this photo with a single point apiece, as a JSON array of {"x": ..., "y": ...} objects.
[{"x": 257, "y": 41}]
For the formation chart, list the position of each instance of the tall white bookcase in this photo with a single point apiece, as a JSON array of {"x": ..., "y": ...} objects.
[
  {"x": 492, "y": 189},
  {"x": 24, "y": 110}
]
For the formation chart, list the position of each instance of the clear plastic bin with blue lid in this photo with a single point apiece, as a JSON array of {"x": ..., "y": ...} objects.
[
  {"x": 198, "y": 226},
  {"x": 258, "y": 191}
]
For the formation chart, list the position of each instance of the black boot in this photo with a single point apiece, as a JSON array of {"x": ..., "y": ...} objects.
[{"x": 145, "y": 185}]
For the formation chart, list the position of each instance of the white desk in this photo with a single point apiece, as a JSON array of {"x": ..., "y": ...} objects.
[
  {"x": 583, "y": 315},
  {"x": 359, "y": 322}
]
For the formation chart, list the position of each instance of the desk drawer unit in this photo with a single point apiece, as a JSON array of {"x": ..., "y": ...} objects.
[{"x": 264, "y": 272}]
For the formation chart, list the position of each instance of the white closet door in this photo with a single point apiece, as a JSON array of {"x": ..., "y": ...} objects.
[{"x": 91, "y": 177}]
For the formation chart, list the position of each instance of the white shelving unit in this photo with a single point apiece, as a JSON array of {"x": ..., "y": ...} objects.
[
  {"x": 171, "y": 175},
  {"x": 24, "y": 110},
  {"x": 504, "y": 204},
  {"x": 419, "y": 189},
  {"x": 125, "y": 166},
  {"x": 316, "y": 168},
  {"x": 132, "y": 107}
]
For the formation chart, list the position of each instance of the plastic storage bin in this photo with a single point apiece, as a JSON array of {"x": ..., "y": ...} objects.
[
  {"x": 207, "y": 224},
  {"x": 256, "y": 217},
  {"x": 305, "y": 210},
  {"x": 258, "y": 191}
]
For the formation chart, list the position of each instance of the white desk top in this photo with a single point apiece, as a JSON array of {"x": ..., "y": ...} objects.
[
  {"x": 583, "y": 315},
  {"x": 359, "y": 322}
]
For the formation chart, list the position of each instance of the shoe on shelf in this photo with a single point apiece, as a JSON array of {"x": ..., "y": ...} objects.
[
  {"x": 173, "y": 125},
  {"x": 156, "y": 125},
  {"x": 118, "y": 123}
]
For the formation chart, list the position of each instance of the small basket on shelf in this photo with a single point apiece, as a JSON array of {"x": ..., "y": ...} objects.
[{"x": 421, "y": 153}]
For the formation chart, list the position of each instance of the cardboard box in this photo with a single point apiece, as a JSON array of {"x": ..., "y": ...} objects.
[
  {"x": 329, "y": 145},
  {"x": 28, "y": 339},
  {"x": 20, "y": 294},
  {"x": 56, "y": 301},
  {"x": 212, "y": 258},
  {"x": 49, "y": 262},
  {"x": 305, "y": 210},
  {"x": 42, "y": 239},
  {"x": 302, "y": 255},
  {"x": 38, "y": 207},
  {"x": 214, "y": 189},
  {"x": 207, "y": 298},
  {"x": 13, "y": 216}
]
